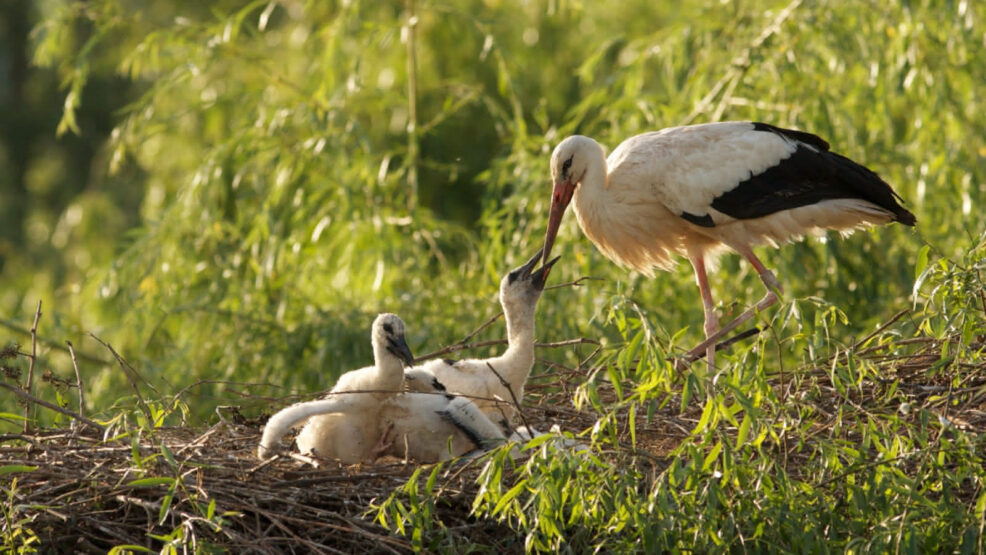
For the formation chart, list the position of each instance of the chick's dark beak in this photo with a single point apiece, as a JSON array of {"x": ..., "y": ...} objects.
[
  {"x": 398, "y": 347},
  {"x": 525, "y": 270},
  {"x": 539, "y": 277}
]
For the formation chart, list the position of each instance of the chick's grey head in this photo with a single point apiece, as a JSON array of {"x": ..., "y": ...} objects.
[
  {"x": 523, "y": 286},
  {"x": 388, "y": 332}
]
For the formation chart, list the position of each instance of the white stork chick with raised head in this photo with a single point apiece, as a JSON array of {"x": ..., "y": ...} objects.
[
  {"x": 520, "y": 290},
  {"x": 357, "y": 393},
  {"x": 696, "y": 190}
]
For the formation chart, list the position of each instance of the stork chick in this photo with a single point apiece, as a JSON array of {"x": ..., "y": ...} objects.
[
  {"x": 697, "y": 190},
  {"x": 428, "y": 427},
  {"x": 390, "y": 354},
  {"x": 356, "y": 393},
  {"x": 424, "y": 427},
  {"x": 520, "y": 290}
]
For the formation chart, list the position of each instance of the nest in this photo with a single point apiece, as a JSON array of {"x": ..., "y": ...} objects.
[
  {"x": 81, "y": 493},
  {"x": 78, "y": 491}
]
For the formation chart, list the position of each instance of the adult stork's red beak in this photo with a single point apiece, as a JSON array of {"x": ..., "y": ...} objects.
[{"x": 560, "y": 197}]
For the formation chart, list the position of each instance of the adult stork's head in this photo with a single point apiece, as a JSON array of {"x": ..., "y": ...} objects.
[
  {"x": 388, "y": 332},
  {"x": 569, "y": 164}
]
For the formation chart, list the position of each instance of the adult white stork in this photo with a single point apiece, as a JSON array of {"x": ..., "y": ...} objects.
[
  {"x": 695, "y": 190},
  {"x": 520, "y": 290}
]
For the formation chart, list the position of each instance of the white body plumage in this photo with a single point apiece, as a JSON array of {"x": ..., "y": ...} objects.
[{"x": 695, "y": 190}]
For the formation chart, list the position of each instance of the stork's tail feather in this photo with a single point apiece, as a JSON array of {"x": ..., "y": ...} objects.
[
  {"x": 292, "y": 416},
  {"x": 811, "y": 174},
  {"x": 871, "y": 187}
]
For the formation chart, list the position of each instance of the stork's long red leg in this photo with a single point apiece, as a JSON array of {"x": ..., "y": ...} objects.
[
  {"x": 711, "y": 318},
  {"x": 769, "y": 281}
]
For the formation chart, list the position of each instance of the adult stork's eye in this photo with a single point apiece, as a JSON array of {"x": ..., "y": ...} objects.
[{"x": 567, "y": 165}]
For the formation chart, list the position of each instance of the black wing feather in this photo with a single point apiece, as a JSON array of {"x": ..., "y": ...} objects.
[
  {"x": 463, "y": 427},
  {"x": 808, "y": 176}
]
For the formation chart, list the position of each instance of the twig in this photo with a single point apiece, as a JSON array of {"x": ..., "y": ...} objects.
[
  {"x": 50, "y": 343},
  {"x": 738, "y": 337},
  {"x": 492, "y": 342},
  {"x": 567, "y": 342},
  {"x": 459, "y": 347},
  {"x": 576, "y": 283},
  {"x": 30, "y": 368},
  {"x": 882, "y": 327},
  {"x": 32, "y": 399},
  {"x": 263, "y": 464},
  {"x": 513, "y": 397},
  {"x": 187, "y": 388},
  {"x": 130, "y": 373},
  {"x": 78, "y": 380},
  {"x": 489, "y": 321},
  {"x": 687, "y": 359}
]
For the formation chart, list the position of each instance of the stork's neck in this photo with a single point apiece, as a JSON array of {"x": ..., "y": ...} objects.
[
  {"x": 590, "y": 202},
  {"x": 516, "y": 362},
  {"x": 594, "y": 181},
  {"x": 389, "y": 369}
]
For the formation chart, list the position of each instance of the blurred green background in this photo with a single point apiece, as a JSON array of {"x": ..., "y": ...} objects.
[{"x": 231, "y": 190}]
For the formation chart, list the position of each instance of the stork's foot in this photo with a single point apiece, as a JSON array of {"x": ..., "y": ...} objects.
[
  {"x": 385, "y": 443},
  {"x": 769, "y": 299},
  {"x": 681, "y": 363},
  {"x": 773, "y": 286}
]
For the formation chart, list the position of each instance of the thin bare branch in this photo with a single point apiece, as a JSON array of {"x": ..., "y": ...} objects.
[
  {"x": 577, "y": 283},
  {"x": 489, "y": 321},
  {"x": 513, "y": 396},
  {"x": 459, "y": 347},
  {"x": 132, "y": 377},
  {"x": 567, "y": 342},
  {"x": 32, "y": 399},
  {"x": 12, "y": 326},
  {"x": 880, "y": 329},
  {"x": 30, "y": 369},
  {"x": 78, "y": 380}
]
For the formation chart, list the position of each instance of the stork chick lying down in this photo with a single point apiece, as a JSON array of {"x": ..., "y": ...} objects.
[
  {"x": 354, "y": 427},
  {"x": 374, "y": 384}
]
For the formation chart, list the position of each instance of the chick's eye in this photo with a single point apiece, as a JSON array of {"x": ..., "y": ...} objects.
[{"x": 388, "y": 328}]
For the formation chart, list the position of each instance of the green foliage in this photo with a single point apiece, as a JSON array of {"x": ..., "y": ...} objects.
[
  {"x": 416, "y": 518},
  {"x": 267, "y": 187},
  {"x": 841, "y": 453},
  {"x": 270, "y": 143},
  {"x": 16, "y": 532}
]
